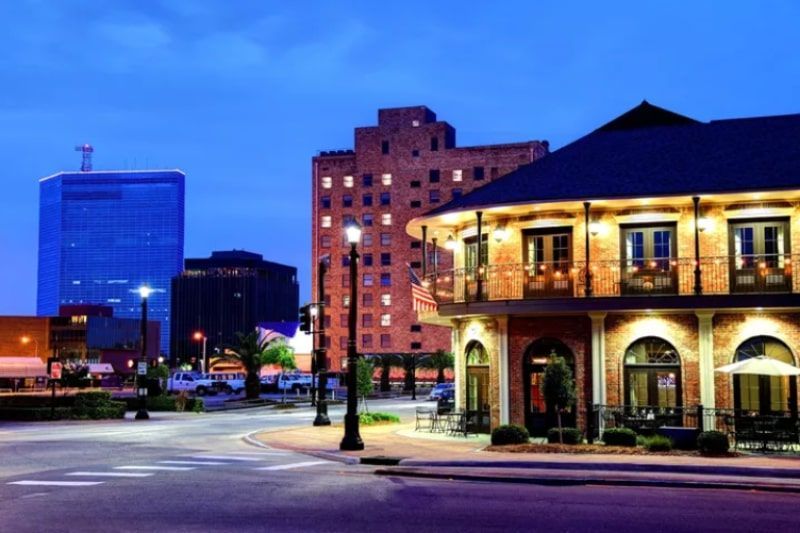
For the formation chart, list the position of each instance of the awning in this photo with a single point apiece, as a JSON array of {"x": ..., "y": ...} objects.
[
  {"x": 22, "y": 367},
  {"x": 101, "y": 368}
]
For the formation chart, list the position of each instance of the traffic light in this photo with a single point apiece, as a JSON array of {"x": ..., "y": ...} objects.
[{"x": 305, "y": 318}]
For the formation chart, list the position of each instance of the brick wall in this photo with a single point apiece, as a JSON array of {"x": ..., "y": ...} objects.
[{"x": 13, "y": 328}]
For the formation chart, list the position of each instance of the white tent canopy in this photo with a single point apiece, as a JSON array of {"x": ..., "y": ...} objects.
[
  {"x": 101, "y": 368},
  {"x": 22, "y": 367},
  {"x": 761, "y": 366}
]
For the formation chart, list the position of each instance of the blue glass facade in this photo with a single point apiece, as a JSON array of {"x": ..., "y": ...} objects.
[{"x": 103, "y": 234}]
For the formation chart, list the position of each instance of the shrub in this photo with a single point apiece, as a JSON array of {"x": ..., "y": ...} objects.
[
  {"x": 569, "y": 435},
  {"x": 658, "y": 443},
  {"x": 510, "y": 434},
  {"x": 34, "y": 414},
  {"x": 619, "y": 437},
  {"x": 368, "y": 419},
  {"x": 713, "y": 443},
  {"x": 196, "y": 405}
]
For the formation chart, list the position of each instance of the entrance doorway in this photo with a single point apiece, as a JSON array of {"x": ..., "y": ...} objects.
[
  {"x": 477, "y": 404},
  {"x": 538, "y": 417}
]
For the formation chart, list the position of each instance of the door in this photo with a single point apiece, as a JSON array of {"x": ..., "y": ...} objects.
[
  {"x": 648, "y": 254},
  {"x": 474, "y": 267},
  {"x": 478, "y": 399},
  {"x": 759, "y": 259},
  {"x": 539, "y": 417},
  {"x": 548, "y": 260}
]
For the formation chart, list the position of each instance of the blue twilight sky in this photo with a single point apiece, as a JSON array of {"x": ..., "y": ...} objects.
[{"x": 241, "y": 94}]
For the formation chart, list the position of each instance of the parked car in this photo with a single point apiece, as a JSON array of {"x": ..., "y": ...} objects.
[
  {"x": 269, "y": 383},
  {"x": 439, "y": 389},
  {"x": 192, "y": 382},
  {"x": 228, "y": 382},
  {"x": 293, "y": 382}
]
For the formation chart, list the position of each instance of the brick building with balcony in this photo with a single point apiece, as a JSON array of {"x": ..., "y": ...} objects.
[
  {"x": 404, "y": 166},
  {"x": 647, "y": 253}
]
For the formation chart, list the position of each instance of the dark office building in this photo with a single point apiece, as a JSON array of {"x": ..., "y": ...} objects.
[{"x": 226, "y": 293}]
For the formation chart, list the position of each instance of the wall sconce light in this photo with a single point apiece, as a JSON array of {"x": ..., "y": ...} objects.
[
  {"x": 450, "y": 242},
  {"x": 594, "y": 228},
  {"x": 703, "y": 224},
  {"x": 500, "y": 233}
]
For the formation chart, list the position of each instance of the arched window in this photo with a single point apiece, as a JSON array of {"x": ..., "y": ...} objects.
[
  {"x": 477, "y": 388},
  {"x": 652, "y": 374},
  {"x": 764, "y": 394},
  {"x": 476, "y": 354}
]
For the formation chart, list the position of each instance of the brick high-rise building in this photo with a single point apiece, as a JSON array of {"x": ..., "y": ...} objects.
[{"x": 401, "y": 168}]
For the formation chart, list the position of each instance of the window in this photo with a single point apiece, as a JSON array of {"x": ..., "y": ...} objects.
[
  {"x": 325, "y": 202},
  {"x": 433, "y": 175},
  {"x": 760, "y": 250},
  {"x": 433, "y": 196},
  {"x": 366, "y": 260},
  {"x": 327, "y": 341},
  {"x": 366, "y": 320},
  {"x": 386, "y": 320},
  {"x": 327, "y": 320},
  {"x": 366, "y": 220},
  {"x": 386, "y": 179},
  {"x": 386, "y": 279},
  {"x": 416, "y": 245},
  {"x": 416, "y": 184},
  {"x": 653, "y": 375},
  {"x": 366, "y": 180},
  {"x": 386, "y": 198},
  {"x": 471, "y": 251},
  {"x": 366, "y": 340},
  {"x": 366, "y": 299},
  {"x": 366, "y": 200},
  {"x": 326, "y": 241},
  {"x": 386, "y": 340},
  {"x": 347, "y": 200},
  {"x": 386, "y": 219},
  {"x": 765, "y": 395},
  {"x": 343, "y": 343},
  {"x": 648, "y": 253},
  {"x": 348, "y": 181},
  {"x": 327, "y": 182},
  {"x": 386, "y": 239},
  {"x": 367, "y": 280},
  {"x": 327, "y": 297},
  {"x": 477, "y": 173},
  {"x": 457, "y": 175},
  {"x": 384, "y": 147},
  {"x": 386, "y": 300},
  {"x": 416, "y": 345},
  {"x": 366, "y": 239},
  {"x": 416, "y": 328},
  {"x": 343, "y": 320},
  {"x": 386, "y": 259},
  {"x": 457, "y": 193},
  {"x": 346, "y": 300},
  {"x": 414, "y": 153},
  {"x": 415, "y": 203},
  {"x": 325, "y": 221},
  {"x": 345, "y": 280},
  {"x": 415, "y": 264},
  {"x": 345, "y": 260},
  {"x": 434, "y": 144}
]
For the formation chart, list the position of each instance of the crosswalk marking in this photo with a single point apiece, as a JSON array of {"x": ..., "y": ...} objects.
[
  {"x": 293, "y": 465},
  {"x": 111, "y": 474},
  {"x": 226, "y": 457},
  {"x": 43, "y": 483},
  {"x": 197, "y": 463},
  {"x": 153, "y": 467}
]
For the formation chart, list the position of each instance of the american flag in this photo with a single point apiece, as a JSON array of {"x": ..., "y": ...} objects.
[{"x": 421, "y": 298}]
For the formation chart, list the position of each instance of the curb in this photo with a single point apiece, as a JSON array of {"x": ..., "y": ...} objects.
[
  {"x": 329, "y": 456},
  {"x": 584, "y": 481}
]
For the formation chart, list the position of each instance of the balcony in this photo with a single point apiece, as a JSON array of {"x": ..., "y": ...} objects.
[{"x": 622, "y": 278}]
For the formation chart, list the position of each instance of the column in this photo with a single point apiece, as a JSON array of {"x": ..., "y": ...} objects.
[
  {"x": 424, "y": 251},
  {"x": 705, "y": 356},
  {"x": 502, "y": 337},
  {"x": 598, "y": 357},
  {"x": 458, "y": 366}
]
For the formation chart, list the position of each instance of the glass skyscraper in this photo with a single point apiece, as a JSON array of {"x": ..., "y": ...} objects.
[{"x": 102, "y": 234}]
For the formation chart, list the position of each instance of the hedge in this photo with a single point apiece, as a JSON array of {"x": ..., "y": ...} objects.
[
  {"x": 570, "y": 435},
  {"x": 85, "y": 405},
  {"x": 713, "y": 443},
  {"x": 368, "y": 419},
  {"x": 658, "y": 443},
  {"x": 166, "y": 403},
  {"x": 510, "y": 434},
  {"x": 619, "y": 437}
]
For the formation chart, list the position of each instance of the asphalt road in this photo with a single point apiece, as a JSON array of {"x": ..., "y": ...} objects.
[{"x": 195, "y": 473}]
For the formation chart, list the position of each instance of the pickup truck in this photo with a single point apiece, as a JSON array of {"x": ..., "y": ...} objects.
[
  {"x": 192, "y": 382},
  {"x": 294, "y": 382},
  {"x": 228, "y": 382}
]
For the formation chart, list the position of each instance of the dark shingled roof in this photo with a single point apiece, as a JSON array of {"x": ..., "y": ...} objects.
[{"x": 649, "y": 151}]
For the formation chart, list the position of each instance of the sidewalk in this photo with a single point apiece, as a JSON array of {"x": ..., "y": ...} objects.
[{"x": 422, "y": 454}]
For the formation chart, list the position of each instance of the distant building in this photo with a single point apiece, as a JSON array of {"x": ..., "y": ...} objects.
[
  {"x": 102, "y": 234},
  {"x": 229, "y": 292}
]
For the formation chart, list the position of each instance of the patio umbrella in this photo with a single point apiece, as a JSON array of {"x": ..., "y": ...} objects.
[{"x": 762, "y": 366}]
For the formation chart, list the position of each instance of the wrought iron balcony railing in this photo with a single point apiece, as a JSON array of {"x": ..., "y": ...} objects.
[{"x": 640, "y": 277}]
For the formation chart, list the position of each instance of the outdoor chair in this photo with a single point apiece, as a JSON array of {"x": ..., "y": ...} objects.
[{"x": 425, "y": 419}]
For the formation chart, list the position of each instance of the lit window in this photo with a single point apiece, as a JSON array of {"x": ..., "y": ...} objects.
[
  {"x": 386, "y": 319},
  {"x": 327, "y": 182},
  {"x": 457, "y": 175},
  {"x": 348, "y": 181},
  {"x": 386, "y": 179},
  {"x": 386, "y": 219},
  {"x": 386, "y": 300},
  {"x": 326, "y": 221},
  {"x": 368, "y": 280},
  {"x": 345, "y": 301}
]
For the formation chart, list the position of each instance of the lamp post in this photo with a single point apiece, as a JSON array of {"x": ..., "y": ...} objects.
[
  {"x": 200, "y": 336},
  {"x": 141, "y": 371},
  {"x": 352, "y": 438},
  {"x": 321, "y": 354}
]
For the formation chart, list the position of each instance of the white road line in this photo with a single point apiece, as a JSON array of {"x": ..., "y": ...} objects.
[
  {"x": 227, "y": 457},
  {"x": 196, "y": 463},
  {"x": 293, "y": 465},
  {"x": 146, "y": 467},
  {"x": 42, "y": 483},
  {"x": 111, "y": 474}
]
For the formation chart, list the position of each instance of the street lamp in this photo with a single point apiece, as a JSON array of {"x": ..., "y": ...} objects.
[
  {"x": 352, "y": 438},
  {"x": 200, "y": 336},
  {"x": 25, "y": 339},
  {"x": 141, "y": 372}
]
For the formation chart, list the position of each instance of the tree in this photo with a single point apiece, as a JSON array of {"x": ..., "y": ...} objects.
[
  {"x": 364, "y": 372},
  {"x": 249, "y": 352},
  {"x": 281, "y": 354},
  {"x": 386, "y": 362},
  {"x": 439, "y": 361},
  {"x": 559, "y": 388}
]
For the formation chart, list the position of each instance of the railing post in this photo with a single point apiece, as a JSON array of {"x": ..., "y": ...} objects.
[
  {"x": 479, "y": 264},
  {"x": 589, "y": 289},
  {"x": 435, "y": 264},
  {"x": 589, "y": 421},
  {"x": 698, "y": 278},
  {"x": 424, "y": 251},
  {"x": 700, "y": 421}
]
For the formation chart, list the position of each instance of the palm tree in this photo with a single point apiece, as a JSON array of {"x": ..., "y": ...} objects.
[
  {"x": 248, "y": 352},
  {"x": 386, "y": 362},
  {"x": 439, "y": 361}
]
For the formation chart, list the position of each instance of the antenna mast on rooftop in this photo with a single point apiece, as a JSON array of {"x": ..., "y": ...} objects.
[{"x": 86, "y": 150}]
